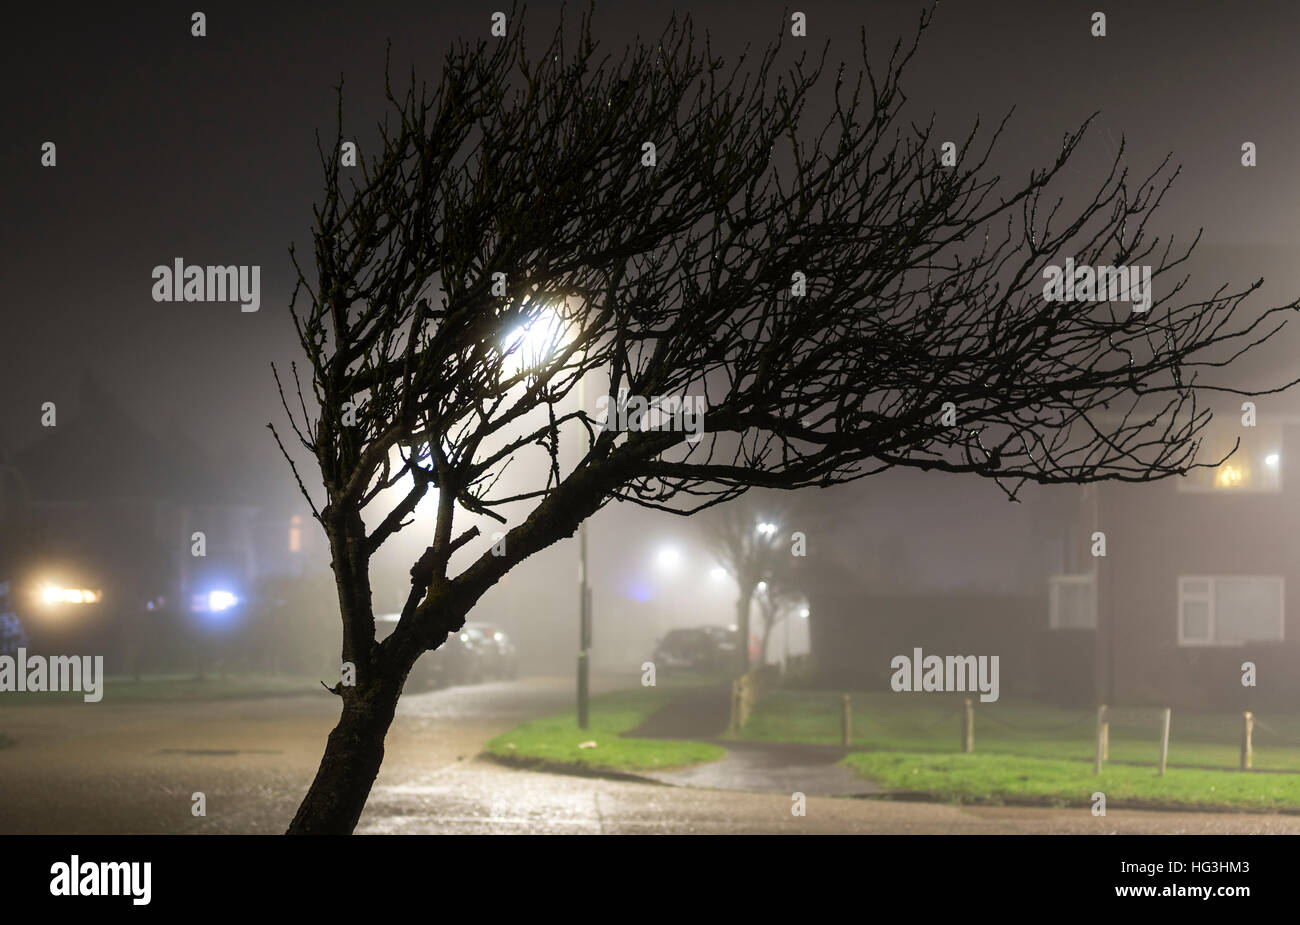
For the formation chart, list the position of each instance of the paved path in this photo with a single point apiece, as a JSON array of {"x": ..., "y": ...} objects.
[
  {"x": 701, "y": 713},
  {"x": 762, "y": 767},
  {"x": 769, "y": 767}
]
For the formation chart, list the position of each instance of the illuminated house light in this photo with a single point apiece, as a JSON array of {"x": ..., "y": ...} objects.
[
  {"x": 52, "y": 595},
  {"x": 1271, "y": 459},
  {"x": 1230, "y": 476},
  {"x": 295, "y": 533}
]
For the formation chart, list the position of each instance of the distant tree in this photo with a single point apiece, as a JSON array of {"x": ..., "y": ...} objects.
[
  {"x": 778, "y": 601},
  {"x": 751, "y": 543},
  {"x": 830, "y": 289}
]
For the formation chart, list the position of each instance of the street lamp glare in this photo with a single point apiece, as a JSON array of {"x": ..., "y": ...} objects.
[{"x": 533, "y": 344}]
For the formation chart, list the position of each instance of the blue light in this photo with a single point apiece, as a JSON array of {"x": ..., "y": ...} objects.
[{"x": 221, "y": 600}]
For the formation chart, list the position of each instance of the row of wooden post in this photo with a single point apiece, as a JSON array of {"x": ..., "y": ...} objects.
[
  {"x": 1103, "y": 738},
  {"x": 1103, "y": 733}
]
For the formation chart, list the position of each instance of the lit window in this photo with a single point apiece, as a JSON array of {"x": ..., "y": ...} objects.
[
  {"x": 1230, "y": 476},
  {"x": 1230, "y": 610},
  {"x": 1251, "y": 461},
  {"x": 295, "y": 533}
]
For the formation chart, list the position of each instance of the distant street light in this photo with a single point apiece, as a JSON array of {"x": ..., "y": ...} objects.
[
  {"x": 221, "y": 600},
  {"x": 767, "y": 528}
]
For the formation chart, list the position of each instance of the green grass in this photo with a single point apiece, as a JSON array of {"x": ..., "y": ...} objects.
[
  {"x": 5, "y": 741},
  {"x": 174, "y": 688},
  {"x": 993, "y": 778},
  {"x": 554, "y": 741},
  {"x": 932, "y": 723}
]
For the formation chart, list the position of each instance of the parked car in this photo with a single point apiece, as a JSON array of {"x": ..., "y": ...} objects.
[
  {"x": 727, "y": 639},
  {"x": 498, "y": 658},
  {"x": 454, "y": 662},
  {"x": 704, "y": 648}
]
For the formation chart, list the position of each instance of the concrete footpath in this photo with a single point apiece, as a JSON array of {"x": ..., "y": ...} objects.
[{"x": 756, "y": 767}]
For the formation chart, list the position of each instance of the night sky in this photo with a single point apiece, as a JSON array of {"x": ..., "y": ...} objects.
[{"x": 202, "y": 148}]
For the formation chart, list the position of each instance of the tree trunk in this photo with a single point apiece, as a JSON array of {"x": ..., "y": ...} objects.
[
  {"x": 768, "y": 626},
  {"x": 347, "y": 771},
  {"x": 742, "y": 627}
]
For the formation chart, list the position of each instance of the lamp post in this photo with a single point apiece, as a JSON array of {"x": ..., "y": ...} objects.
[
  {"x": 534, "y": 342},
  {"x": 584, "y": 598}
]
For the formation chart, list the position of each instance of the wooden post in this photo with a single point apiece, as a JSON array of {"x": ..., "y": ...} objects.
[
  {"x": 1164, "y": 741},
  {"x": 1101, "y": 739},
  {"x": 735, "y": 706},
  {"x": 1105, "y": 734},
  {"x": 968, "y": 727},
  {"x": 1247, "y": 728},
  {"x": 846, "y": 720}
]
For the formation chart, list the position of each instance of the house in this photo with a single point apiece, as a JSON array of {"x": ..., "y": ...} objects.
[{"x": 1197, "y": 589}]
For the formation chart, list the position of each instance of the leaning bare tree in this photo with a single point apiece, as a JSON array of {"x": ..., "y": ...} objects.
[{"x": 826, "y": 293}]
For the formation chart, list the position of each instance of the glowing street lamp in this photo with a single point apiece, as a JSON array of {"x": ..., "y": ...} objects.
[
  {"x": 669, "y": 558},
  {"x": 529, "y": 346},
  {"x": 221, "y": 600}
]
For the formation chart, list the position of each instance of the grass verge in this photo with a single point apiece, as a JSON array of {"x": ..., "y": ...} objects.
[
  {"x": 556, "y": 742},
  {"x": 993, "y": 778},
  {"x": 175, "y": 688}
]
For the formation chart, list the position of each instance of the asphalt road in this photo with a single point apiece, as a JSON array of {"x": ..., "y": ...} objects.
[{"x": 132, "y": 768}]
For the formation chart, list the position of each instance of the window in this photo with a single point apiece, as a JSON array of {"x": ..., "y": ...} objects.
[
  {"x": 1073, "y": 602},
  {"x": 1229, "y": 610},
  {"x": 1255, "y": 465}
]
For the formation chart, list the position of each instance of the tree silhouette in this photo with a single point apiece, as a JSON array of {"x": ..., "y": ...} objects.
[
  {"x": 751, "y": 541},
  {"x": 830, "y": 289}
]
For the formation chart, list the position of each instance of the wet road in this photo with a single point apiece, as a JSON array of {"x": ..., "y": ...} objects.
[{"x": 133, "y": 768}]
